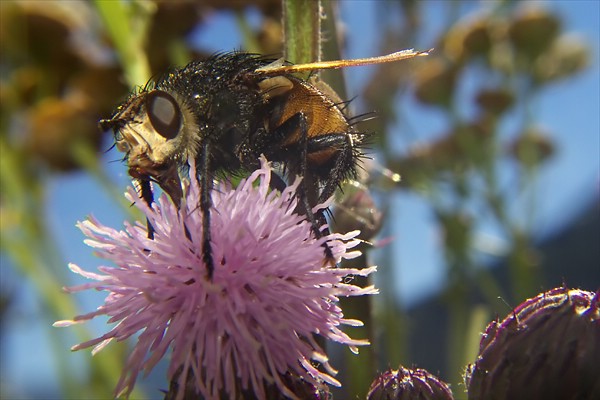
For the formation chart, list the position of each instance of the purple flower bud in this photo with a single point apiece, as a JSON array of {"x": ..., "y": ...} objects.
[
  {"x": 408, "y": 384},
  {"x": 547, "y": 348}
]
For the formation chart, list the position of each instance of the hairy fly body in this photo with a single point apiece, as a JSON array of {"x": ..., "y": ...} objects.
[{"x": 226, "y": 111}]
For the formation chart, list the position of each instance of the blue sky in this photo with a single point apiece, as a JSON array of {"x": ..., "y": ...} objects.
[{"x": 570, "y": 109}]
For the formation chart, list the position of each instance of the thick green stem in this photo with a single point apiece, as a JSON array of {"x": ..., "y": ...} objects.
[{"x": 302, "y": 30}]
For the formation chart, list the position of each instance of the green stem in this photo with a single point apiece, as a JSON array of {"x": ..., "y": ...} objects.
[
  {"x": 302, "y": 30},
  {"x": 127, "y": 23}
]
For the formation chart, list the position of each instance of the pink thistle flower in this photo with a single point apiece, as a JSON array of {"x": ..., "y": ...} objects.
[{"x": 250, "y": 325}]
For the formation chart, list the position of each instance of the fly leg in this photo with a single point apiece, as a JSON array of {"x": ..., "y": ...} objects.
[
  {"x": 148, "y": 197},
  {"x": 206, "y": 185},
  {"x": 337, "y": 152},
  {"x": 308, "y": 190},
  {"x": 320, "y": 159},
  {"x": 316, "y": 220}
]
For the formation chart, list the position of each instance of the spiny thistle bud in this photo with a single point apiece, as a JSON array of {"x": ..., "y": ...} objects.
[
  {"x": 408, "y": 384},
  {"x": 547, "y": 348}
]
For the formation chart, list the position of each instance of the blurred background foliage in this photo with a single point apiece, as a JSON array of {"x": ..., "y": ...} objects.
[{"x": 65, "y": 65}]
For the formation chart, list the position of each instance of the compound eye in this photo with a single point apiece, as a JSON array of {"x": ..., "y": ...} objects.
[{"x": 164, "y": 114}]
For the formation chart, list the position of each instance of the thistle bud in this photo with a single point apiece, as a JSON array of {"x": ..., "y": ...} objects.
[
  {"x": 532, "y": 147},
  {"x": 469, "y": 38},
  {"x": 408, "y": 384},
  {"x": 435, "y": 83},
  {"x": 495, "y": 101},
  {"x": 567, "y": 56},
  {"x": 547, "y": 348},
  {"x": 533, "y": 30},
  {"x": 357, "y": 211}
]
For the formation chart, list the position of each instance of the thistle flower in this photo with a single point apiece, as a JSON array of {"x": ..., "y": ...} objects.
[
  {"x": 408, "y": 384},
  {"x": 547, "y": 348},
  {"x": 249, "y": 326}
]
